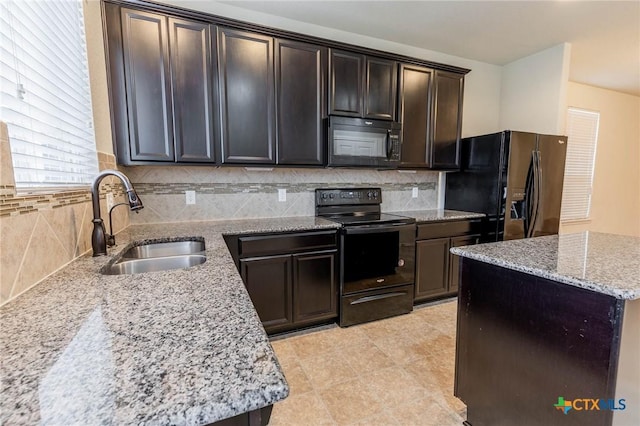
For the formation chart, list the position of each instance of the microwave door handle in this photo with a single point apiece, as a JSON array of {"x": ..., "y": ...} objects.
[{"x": 388, "y": 144}]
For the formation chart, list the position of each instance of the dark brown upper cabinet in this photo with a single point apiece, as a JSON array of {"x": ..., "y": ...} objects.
[
  {"x": 145, "y": 50},
  {"x": 161, "y": 87},
  {"x": 193, "y": 85},
  {"x": 362, "y": 86},
  {"x": 381, "y": 85},
  {"x": 346, "y": 84},
  {"x": 416, "y": 86},
  {"x": 247, "y": 100},
  {"x": 431, "y": 117},
  {"x": 301, "y": 74},
  {"x": 447, "y": 120}
]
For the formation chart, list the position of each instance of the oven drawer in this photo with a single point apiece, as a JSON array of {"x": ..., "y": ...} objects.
[{"x": 374, "y": 305}]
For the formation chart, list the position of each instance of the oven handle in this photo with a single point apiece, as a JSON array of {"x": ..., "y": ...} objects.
[
  {"x": 376, "y": 229},
  {"x": 366, "y": 299}
]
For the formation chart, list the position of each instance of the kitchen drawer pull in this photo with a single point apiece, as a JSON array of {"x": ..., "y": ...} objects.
[{"x": 378, "y": 297}]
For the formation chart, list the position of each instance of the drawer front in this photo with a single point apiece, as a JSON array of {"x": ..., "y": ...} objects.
[
  {"x": 375, "y": 305},
  {"x": 286, "y": 243},
  {"x": 448, "y": 229}
]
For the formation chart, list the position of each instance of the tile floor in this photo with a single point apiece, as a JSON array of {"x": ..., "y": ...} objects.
[{"x": 397, "y": 371}]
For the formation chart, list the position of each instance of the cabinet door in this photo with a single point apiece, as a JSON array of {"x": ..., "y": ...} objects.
[
  {"x": 148, "y": 85},
  {"x": 268, "y": 281},
  {"x": 380, "y": 89},
  {"x": 301, "y": 75},
  {"x": 315, "y": 290},
  {"x": 246, "y": 97},
  {"x": 192, "y": 74},
  {"x": 346, "y": 83},
  {"x": 454, "y": 261},
  {"x": 415, "y": 114},
  {"x": 432, "y": 266},
  {"x": 447, "y": 120}
]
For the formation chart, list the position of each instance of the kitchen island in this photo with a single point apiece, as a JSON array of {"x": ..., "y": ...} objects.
[
  {"x": 181, "y": 347},
  {"x": 549, "y": 331}
]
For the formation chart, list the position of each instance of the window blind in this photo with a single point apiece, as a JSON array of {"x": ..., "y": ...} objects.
[
  {"x": 45, "y": 94},
  {"x": 582, "y": 130}
]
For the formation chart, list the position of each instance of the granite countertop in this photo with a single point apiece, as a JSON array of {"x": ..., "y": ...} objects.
[
  {"x": 174, "y": 347},
  {"x": 437, "y": 215},
  {"x": 606, "y": 263}
]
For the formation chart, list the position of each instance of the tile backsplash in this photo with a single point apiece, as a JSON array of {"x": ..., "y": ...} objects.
[
  {"x": 238, "y": 192},
  {"x": 42, "y": 232}
]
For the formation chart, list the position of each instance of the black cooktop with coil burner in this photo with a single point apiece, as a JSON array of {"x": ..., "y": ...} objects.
[{"x": 354, "y": 206}]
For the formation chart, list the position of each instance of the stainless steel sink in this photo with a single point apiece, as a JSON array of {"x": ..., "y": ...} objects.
[
  {"x": 153, "y": 264},
  {"x": 174, "y": 248},
  {"x": 161, "y": 256}
]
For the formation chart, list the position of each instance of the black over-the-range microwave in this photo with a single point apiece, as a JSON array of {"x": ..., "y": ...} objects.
[{"x": 364, "y": 142}]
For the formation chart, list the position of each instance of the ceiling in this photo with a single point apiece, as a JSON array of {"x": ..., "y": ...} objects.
[{"x": 604, "y": 35}]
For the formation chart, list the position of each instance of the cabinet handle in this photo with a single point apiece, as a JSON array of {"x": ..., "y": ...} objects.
[{"x": 378, "y": 297}]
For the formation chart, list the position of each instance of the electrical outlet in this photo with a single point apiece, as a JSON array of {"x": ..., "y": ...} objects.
[
  {"x": 282, "y": 194},
  {"x": 414, "y": 192},
  {"x": 110, "y": 201},
  {"x": 190, "y": 197}
]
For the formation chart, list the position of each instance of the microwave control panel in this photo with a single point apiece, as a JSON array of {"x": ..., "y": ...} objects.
[{"x": 394, "y": 155}]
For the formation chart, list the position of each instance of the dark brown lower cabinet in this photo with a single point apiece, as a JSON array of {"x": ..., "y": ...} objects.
[
  {"x": 432, "y": 261},
  {"x": 292, "y": 278},
  {"x": 268, "y": 281},
  {"x": 454, "y": 261},
  {"x": 314, "y": 286},
  {"x": 437, "y": 269}
]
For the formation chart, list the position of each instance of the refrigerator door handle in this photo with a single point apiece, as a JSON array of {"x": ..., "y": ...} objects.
[
  {"x": 528, "y": 198},
  {"x": 537, "y": 173}
]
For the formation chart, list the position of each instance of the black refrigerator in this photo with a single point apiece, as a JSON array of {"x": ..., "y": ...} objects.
[{"x": 515, "y": 178}]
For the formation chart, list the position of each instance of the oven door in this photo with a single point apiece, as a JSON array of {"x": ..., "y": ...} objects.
[{"x": 376, "y": 256}]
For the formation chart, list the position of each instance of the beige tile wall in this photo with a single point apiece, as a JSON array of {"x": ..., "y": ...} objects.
[
  {"x": 237, "y": 192},
  {"x": 40, "y": 233}
]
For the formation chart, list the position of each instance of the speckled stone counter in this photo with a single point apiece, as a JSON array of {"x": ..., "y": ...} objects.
[
  {"x": 180, "y": 347},
  {"x": 605, "y": 263},
  {"x": 437, "y": 215}
]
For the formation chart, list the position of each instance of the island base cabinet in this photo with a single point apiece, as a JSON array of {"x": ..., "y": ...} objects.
[{"x": 523, "y": 342}]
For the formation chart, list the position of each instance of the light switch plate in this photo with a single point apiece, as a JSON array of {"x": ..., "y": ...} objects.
[
  {"x": 414, "y": 192},
  {"x": 282, "y": 194},
  {"x": 190, "y": 197}
]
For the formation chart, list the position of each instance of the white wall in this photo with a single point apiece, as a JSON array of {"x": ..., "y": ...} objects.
[
  {"x": 482, "y": 84},
  {"x": 615, "y": 199},
  {"x": 534, "y": 92}
]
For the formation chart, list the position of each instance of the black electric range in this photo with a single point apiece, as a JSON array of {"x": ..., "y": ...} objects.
[{"x": 377, "y": 254}]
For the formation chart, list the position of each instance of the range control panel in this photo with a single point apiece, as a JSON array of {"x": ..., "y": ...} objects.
[{"x": 344, "y": 196}]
